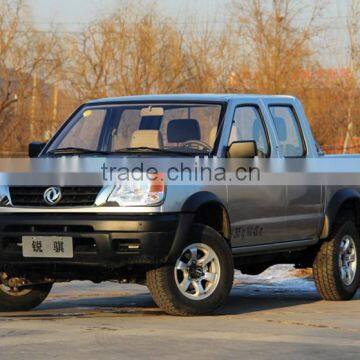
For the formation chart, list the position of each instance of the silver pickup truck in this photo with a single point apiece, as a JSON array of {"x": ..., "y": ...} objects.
[{"x": 182, "y": 240}]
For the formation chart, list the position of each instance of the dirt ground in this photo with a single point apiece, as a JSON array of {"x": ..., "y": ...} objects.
[{"x": 273, "y": 316}]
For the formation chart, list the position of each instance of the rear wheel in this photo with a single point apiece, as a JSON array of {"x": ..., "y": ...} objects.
[
  {"x": 200, "y": 279},
  {"x": 337, "y": 263},
  {"x": 13, "y": 299}
]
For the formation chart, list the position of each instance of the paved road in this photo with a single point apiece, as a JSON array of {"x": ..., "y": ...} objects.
[{"x": 263, "y": 319}]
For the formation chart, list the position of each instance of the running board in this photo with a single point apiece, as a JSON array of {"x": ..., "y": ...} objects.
[{"x": 273, "y": 248}]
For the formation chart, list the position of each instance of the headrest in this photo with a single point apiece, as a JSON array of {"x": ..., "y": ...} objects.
[
  {"x": 181, "y": 130},
  {"x": 146, "y": 138},
  {"x": 150, "y": 123},
  {"x": 212, "y": 135},
  {"x": 280, "y": 126}
]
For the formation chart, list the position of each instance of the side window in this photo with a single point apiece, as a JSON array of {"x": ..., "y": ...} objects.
[
  {"x": 249, "y": 126},
  {"x": 288, "y": 131}
]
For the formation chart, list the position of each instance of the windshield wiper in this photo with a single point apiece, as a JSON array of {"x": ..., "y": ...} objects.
[
  {"x": 75, "y": 151},
  {"x": 150, "y": 149},
  {"x": 82, "y": 151}
]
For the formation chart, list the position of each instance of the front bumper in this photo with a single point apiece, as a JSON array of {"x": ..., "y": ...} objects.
[{"x": 98, "y": 239}]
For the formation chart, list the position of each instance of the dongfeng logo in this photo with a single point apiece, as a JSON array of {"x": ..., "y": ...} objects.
[{"x": 52, "y": 195}]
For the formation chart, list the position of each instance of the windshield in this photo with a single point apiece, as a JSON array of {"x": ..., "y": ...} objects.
[{"x": 115, "y": 128}]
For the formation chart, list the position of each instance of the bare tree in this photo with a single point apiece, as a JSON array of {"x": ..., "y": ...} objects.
[
  {"x": 353, "y": 25},
  {"x": 129, "y": 53},
  {"x": 278, "y": 44},
  {"x": 138, "y": 50},
  {"x": 28, "y": 59}
]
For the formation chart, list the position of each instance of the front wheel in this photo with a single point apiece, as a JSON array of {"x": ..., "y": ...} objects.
[
  {"x": 200, "y": 279},
  {"x": 12, "y": 299},
  {"x": 337, "y": 264}
]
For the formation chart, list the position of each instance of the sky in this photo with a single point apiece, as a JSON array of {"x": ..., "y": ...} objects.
[
  {"x": 73, "y": 14},
  {"x": 83, "y": 11}
]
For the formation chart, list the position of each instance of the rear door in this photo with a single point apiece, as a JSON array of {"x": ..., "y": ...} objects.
[{"x": 304, "y": 202}]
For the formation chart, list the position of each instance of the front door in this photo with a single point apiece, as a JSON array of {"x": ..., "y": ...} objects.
[{"x": 257, "y": 212}]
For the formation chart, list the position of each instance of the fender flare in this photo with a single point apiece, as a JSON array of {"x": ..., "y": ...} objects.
[
  {"x": 333, "y": 207},
  {"x": 186, "y": 219},
  {"x": 195, "y": 201}
]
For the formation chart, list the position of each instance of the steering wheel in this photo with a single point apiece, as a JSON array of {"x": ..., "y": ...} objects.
[{"x": 196, "y": 144}]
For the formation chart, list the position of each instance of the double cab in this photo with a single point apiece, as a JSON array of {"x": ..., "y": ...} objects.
[{"x": 182, "y": 239}]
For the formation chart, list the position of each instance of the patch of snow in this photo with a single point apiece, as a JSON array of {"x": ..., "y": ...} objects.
[{"x": 279, "y": 276}]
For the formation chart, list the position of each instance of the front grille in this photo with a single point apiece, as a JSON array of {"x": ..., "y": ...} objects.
[{"x": 71, "y": 196}]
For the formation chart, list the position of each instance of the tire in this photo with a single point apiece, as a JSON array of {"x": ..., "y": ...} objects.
[
  {"x": 23, "y": 300},
  {"x": 168, "y": 284},
  {"x": 332, "y": 281}
]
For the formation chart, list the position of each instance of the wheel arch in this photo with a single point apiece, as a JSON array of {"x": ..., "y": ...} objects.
[
  {"x": 342, "y": 201},
  {"x": 205, "y": 208}
]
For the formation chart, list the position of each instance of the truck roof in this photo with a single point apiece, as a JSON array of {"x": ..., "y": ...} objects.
[{"x": 186, "y": 97}]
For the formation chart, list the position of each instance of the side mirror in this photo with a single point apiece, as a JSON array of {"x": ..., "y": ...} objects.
[
  {"x": 242, "y": 149},
  {"x": 35, "y": 148}
]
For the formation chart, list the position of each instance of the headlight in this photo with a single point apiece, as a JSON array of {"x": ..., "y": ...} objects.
[{"x": 144, "y": 192}]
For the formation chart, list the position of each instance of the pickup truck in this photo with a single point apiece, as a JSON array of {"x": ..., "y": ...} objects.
[{"x": 182, "y": 241}]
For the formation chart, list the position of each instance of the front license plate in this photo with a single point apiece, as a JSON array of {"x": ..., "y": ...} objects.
[{"x": 47, "y": 246}]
